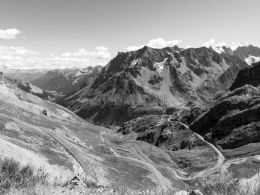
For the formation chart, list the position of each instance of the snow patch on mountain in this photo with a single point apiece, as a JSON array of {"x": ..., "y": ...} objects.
[
  {"x": 160, "y": 65},
  {"x": 252, "y": 59},
  {"x": 134, "y": 62}
]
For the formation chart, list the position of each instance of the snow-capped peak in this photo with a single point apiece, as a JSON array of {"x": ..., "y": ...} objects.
[{"x": 218, "y": 47}]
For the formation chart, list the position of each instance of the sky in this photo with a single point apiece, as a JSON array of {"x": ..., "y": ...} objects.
[{"x": 68, "y": 33}]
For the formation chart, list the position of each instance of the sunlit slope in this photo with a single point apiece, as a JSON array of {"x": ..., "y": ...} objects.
[{"x": 50, "y": 137}]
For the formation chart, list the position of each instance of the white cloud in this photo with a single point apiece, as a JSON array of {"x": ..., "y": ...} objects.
[
  {"x": 100, "y": 52},
  {"x": 53, "y": 62},
  {"x": 216, "y": 46},
  {"x": 187, "y": 47},
  {"x": 99, "y": 56},
  {"x": 9, "y": 33},
  {"x": 134, "y": 47},
  {"x": 161, "y": 43},
  {"x": 8, "y": 52},
  {"x": 210, "y": 43},
  {"x": 22, "y": 58},
  {"x": 156, "y": 43},
  {"x": 235, "y": 45}
]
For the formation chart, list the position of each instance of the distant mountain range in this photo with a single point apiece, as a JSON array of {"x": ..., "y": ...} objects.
[
  {"x": 27, "y": 75},
  {"x": 66, "y": 81},
  {"x": 248, "y": 53}
]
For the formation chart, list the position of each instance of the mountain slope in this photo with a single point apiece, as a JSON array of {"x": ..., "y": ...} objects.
[
  {"x": 248, "y": 53},
  {"x": 172, "y": 137},
  {"x": 66, "y": 81},
  {"x": 148, "y": 81},
  {"x": 232, "y": 122},
  {"x": 47, "y": 136},
  {"x": 217, "y": 86},
  {"x": 28, "y": 87},
  {"x": 250, "y": 76}
]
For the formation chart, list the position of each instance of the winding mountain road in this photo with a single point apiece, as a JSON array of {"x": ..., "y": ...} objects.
[
  {"x": 163, "y": 183},
  {"x": 205, "y": 172},
  {"x": 179, "y": 174}
]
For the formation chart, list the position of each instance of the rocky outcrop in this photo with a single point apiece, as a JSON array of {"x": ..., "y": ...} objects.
[
  {"x": 234, "y": 120},
  {"x": 161, "y": 132},
  {"x": 248, "y": 53},
  {"x": 249, "y": 75},
  {"x": 244, "y": 52}
]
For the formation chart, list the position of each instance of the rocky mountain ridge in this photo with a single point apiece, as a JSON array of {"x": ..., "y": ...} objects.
[
  {"x": 249, "y": 53},
  {"x": 150, "y": 80}
]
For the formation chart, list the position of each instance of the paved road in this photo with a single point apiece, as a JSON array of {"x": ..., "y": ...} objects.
[
  {"x": 77, "y": 154},
  {"x": 163, "y": 183},
  {"x": 205, "y": 172}
]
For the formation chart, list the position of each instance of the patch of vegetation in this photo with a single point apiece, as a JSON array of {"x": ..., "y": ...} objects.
[
  {"x": 14, "y": 176},
  {"x": 222, "y": 184},
  {"x": 91, "y": 184}
]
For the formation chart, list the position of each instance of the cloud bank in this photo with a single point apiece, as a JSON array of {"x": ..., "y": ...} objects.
[
  {"x": 22, "y": 58},
  {"x": 100, "y": 52},
  {"x": 234, "y": 45},
  {"x": 11, "y": 33},
  {"x": 8, "y": 52},
  {"x": 155, "y": 43}
]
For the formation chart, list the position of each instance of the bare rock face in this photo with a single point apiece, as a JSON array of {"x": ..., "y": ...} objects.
[
  {"x": 148, "y": 81},
  {"x": 244, "y": 52},
  {"x": 234, "y": 120},
  {"x": 195, "y": 192},
  {"x": 161, "y": 132},
  {"x": 248, "y": 53},
  {"x": 250, "y": 76},
  {"x": 1, "y": 76}
]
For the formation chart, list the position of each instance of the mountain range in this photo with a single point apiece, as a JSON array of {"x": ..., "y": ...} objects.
[
  {"x": 154, "y": 81},
  {"x": 179, "y": 120},
  {"x": 147, "y": 81}
]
